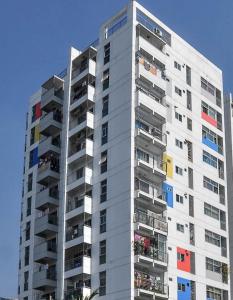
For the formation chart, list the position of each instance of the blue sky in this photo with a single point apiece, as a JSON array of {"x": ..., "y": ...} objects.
[{"x": 35, "y": 37}]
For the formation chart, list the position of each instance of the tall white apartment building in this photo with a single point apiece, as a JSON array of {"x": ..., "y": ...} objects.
[{"x": 124, "y": 181}]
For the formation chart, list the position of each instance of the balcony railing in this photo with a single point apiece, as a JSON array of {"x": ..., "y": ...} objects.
[
  {"x": 152, "y": 191},
  {"x": 74, "y": 263},
  {"x": 156, "y": 222},
  {"x": 146, "y": 282},
  {"x": 74, "y": 233},
  {"x": 74, "y": 203},
  {"x": 152, "y": 130}
]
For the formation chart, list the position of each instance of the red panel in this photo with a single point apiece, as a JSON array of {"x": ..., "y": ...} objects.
[
  {"x": 38, "y": 111},
  {"x": 209, "y": 119},
  {"x": 185, "y": 263}
]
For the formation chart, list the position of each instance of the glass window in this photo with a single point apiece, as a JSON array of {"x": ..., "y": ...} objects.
[
  {"x": 106, "y": 53},
  {"x": 105, "y": 79},
  {"x": 210, "y": 159},
  {"x": 103, "y": 190},
  {"x": 102, "y": 283},
  {"x": 105, "y": 106},
  {"x": 210, "y": 184},
  {"x": 104, "y": 162},
  {"x": 103, "y": 220},
  {"x": 102, "y": 258},
  {"x": 104, "y": 138}
]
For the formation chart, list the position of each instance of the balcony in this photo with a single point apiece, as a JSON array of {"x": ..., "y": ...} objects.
[
  {"x": 84, "y": 121},
  {"x": 147, "y": 134},
  {"x": 87, "y": 67},
  {"x": 46, "y": 225},
  {"x": 152, "y": 167},
  {"x": 47, "y": 198},
  {"x": 147, "y": 286},
  {"x": 44, "y": 280},
  {"x": 76, "y": 236},
  {"x": 152, "y": 197},
  {"x": 49, "y": 144},
  {"x": 150, "y": 223},
  {"x": 52, "y": 94},
  {"x": 86, "y": 97},
  {"x": 81, "y": 151},
  {"x": 51, "y": 123},
  {"x": 72, "y": 294},
  {"x": 76, "y": 266},
  {"x": 79, "y": 178},
  {"x": 77, "y": 206},
  {"x": 48, "y": 171},
  {"x": 146, "y": 100},
  {"x": 152, "y": 73},
  {"x": 144, "y": 43},
  {"x": 45, "y": 252}
]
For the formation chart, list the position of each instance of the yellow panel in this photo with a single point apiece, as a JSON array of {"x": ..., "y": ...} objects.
[
  {"x": 168, "y": 165},
  {"x": 37, "y": 133}
]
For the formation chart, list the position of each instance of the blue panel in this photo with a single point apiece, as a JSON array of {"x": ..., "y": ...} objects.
[
  {"x": 210, "y": 144},
  {"x": 168, "y": 190},
  {"x": 185, "y": 293},
  {"x": 35, "y": 159}
]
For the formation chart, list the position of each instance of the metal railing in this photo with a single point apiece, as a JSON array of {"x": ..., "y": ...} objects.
[
  {"x": 149, "y": 189},
  {"x": 75, "y": 262},
  {"x": 156, "y": 222},
  {"x": 150, "y": 252},
  {"x": 74, "y": 203},
  {"x": 147, "y": 282}
]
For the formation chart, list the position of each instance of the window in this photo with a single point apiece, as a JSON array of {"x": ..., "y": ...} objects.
[
  {"x": 105, "y": 79},
  {"x": 188, "y": 75},
  {"x": 209, "y": 134},
  {"x": 178, "y": 116},
  {"x": 179, "y": 144},
  {"x": 208, "y": 110},
  {"x": 32, "y": 136},
  {"x": 190, "y": 150},
  {"x": 105, "y": 106},
  {"x": 189, "y": 100},
  {"x": 190, "y": 178},
  {"x": 214, "y": 293},
  {"x": 180, "y": 256},
  {"x": 104, "y": 139},
  {"x": 207, "y": 86},
  {"x": 191, "y": 206},
  {"x": 26, "y": 279},
  {"x": 178, "y": 91},
  {"x": 27, "y": 231},
  {"x": 181, "y": 287},
  {"x": 189, "y": 124},
  {"x": 141, "y": 155},
  {"x": 102, "y": 283},
  {"x": 212, "y": 238},
  {"x": 26, "y": 256},
  {"x": 29, "y": 206},
  {"x": 177, "y": 65},
  {"x": 210, "y": 184},
  {"x": 30, "y": 178},
  {"x": 210, "y": 159},
  {"x": 179, "y": 199},
  {"x": 103, "y": 219},
  {"x": 178, "y": 170},
  {"x": 180, "y": 227},
  {"x": 106, "y": 53},
  {"x": 104, "y": 162},
  {"x": 103, "y": 190},
  {"x": 102, "y": 252},
  {"x": 213, "y": 265},
  {"x": 211, "y": 211}
]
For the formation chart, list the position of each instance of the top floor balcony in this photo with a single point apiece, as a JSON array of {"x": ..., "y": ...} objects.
[
  {"x": 84, "y": 64},
  {"x": 52, "y": 94}
]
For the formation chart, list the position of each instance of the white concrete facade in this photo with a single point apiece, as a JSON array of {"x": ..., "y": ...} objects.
[{"x": 128, "y": 194}]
